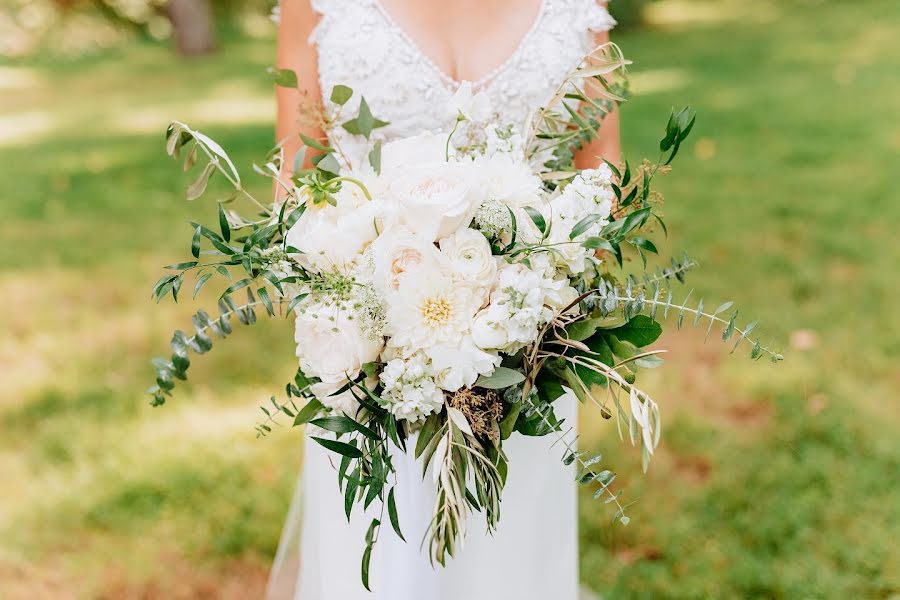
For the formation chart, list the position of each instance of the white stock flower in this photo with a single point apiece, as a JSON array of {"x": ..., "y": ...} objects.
[
  {"x": 506, "y": 140},
  {"x": 410, "y": 392},
  {"x": 469, "y": 256},
  {"x": 589, "y": 193},
  {"x": 331, "y": 346},
  {"x": 435, "y": 199},
  {"x": 472, "y": 106},
  {"x": 522, "y": 301},
  {"x": 428, "y": 309}
]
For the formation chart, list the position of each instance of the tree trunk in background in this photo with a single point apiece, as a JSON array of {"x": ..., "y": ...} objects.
[{"x": 192, "y": 22}]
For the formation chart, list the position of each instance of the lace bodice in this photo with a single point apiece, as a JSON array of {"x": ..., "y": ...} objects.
[{"x": 360, "y": 45}]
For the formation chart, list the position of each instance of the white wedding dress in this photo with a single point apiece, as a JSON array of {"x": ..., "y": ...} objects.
[{"x": 534, "y": 554}]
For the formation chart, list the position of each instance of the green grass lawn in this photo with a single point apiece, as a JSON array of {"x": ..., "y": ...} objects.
[{"x": 772, "y": 481}]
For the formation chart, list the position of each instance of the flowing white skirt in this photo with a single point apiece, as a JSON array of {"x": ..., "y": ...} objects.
[{"x": 532, "y": 556}]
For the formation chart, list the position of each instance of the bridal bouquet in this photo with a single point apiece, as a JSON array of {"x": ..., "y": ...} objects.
[{"x": 447, "y": 289}]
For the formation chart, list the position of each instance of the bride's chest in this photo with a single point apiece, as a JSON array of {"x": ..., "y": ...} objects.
[{"x": 363, "y": 47}]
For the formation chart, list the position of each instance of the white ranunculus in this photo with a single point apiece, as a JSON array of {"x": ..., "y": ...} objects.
[
  {"x": 469, "y": 256},
  {"x": 472, "y": 106},
  {"x": 397, "y": 252},
  {"x": 330, "y": 237},
  {"x": 458, "y": 366},
  {"x": 401, "y": 154},
  {"x": 435, "y": 199},
  {"x": 330, "y": 344}
]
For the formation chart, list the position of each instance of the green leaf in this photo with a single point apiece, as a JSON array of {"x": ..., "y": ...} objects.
[
  {"x": 201, "y": 281},
  {"x": 267, "y": 302},
  {"x": 342, "y": 448},
  {"x": 583, "y": 329},
  {"x": 375, "y": 157},
  {"x": 223, "y": 224},
  {"x": 429, "y": 429},
  {"x": 181, "y": 266},
  {"x": 364, "y": 123},
  {"x": 645, "y": 244},
  {"x": 501, "y": 378},
  {"x": 671, "y": 134},
  {"x": 236, "y": 286},
  {"x": 537, "y": 218},
  {"x": 216, "y": 149},
  {"x": 195, "y": 242},
  {"x": 340, "y": 94},
  {"x": 392, "y": 513},
  {"x": 315, "y": 144},
  {"x": 284, "y": 77},
  {"x": 196, "y": 189},
  {"x": 344, "y": 424},
  {"x": 598, "y": 243},
  {"x": 350, "y": 492},
  {"x": 729, "y": 329},
  {"x": 310, "y": 410},
  {"x": 329, "y": 164},
  {"x": 366, "y": 559},
  {"x": 294, "y": 302},
  {"x": 583, "y": 225},
  {"x": 641, "y": 331},
  {"x": 508, "y": 423}
]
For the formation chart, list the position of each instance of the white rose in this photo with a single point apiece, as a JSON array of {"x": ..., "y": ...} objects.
[
  {"x": 469, "y": 255},
  {"x": 436, "y": 199},
  {"x": 332, "y": 237},
  {"x": 398, "y": 252},
  {"x": 330, "y": 345},
  {"x": 404, "y": 153}
]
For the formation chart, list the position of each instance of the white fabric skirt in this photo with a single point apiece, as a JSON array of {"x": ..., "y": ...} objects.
[{"x": 532, "y": 556}]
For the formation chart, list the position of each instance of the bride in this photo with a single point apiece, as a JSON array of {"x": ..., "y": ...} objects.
[{"x": 407, "y": 58}]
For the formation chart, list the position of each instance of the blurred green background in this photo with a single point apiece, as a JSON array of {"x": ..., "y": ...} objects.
[{"x": 772, "y": 481}]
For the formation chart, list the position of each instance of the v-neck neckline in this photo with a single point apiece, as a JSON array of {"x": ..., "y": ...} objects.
[{"x": 446, "y": 78}]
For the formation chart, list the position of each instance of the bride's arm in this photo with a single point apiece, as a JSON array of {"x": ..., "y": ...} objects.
[
  {"x": 296, "y": 53},
  {"x": 607, "y": 144}
]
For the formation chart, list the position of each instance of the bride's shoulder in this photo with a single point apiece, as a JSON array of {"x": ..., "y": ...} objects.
[{"x": 592, "y": 14}]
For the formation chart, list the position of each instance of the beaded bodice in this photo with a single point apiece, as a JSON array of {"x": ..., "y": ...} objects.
[{"x": 361, "y": 45}]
